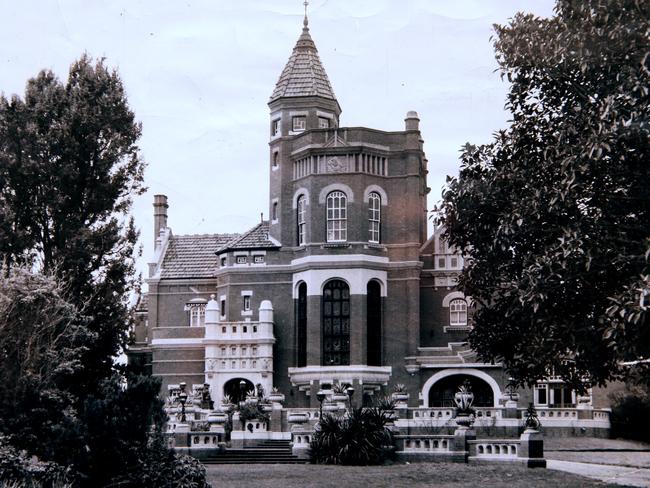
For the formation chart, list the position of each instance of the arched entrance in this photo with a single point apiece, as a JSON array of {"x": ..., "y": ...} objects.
[
  {"x": 471, "y": 372},
  {"x": 441, "y": 394},
  {"x": 234, "y": 391}
]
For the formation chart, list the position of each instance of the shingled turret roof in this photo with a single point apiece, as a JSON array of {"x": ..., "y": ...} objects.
[{"x": 304, "y": 74}]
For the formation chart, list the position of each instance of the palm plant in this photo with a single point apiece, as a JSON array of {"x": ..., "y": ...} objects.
[{"x": 360, "y": 438}]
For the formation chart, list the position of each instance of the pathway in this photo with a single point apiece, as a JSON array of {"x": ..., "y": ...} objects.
[{"x": 621, "y": 475}]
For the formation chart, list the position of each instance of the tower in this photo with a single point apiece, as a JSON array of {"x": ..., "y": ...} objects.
[{"x": 302, "y": 100}]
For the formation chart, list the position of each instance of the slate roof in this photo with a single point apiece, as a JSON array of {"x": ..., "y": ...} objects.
[
  {"x": 193, "y": 256},
  {"x": 256, "y": 238},
  {"x": 303, "y": 74}
]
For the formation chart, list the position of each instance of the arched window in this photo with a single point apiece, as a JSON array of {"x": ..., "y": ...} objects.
[
  {"x": 373, "y": 299},
  {"x": 300, "y": 219},
  {"x": 374, "y": 216},
  {"x": 301, "y": 326},
  {"x": 336, "y": 323},
  {"x": 337, "y": 215},
  {"x": 458, "y": 312}
]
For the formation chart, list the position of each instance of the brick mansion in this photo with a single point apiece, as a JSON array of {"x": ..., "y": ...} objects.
[{"x": 342, "y": 284}]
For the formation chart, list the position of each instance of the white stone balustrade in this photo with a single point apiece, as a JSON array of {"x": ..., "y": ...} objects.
[{"x": 490, "y": 448}]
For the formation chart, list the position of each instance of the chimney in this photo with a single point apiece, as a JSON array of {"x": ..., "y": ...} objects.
[
  {"x": 412, "y": 121},
  {"x": 159, "y": 216}
]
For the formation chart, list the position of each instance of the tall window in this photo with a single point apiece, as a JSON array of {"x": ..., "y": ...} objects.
[
  {"x": 374, "y": 216},
  {"x": 337, "y": 215},
  {"x": 336, "y": 323},
  {"x": 301, "y": 326},
  {"x": 458, "y": 312},
  {"x": 274, "y": 211},
  {"x": 374, "y": 323},
  {"x": 300, "y": 218}
]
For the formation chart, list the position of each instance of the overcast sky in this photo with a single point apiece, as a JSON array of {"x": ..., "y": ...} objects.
[{"x": 198, "y": 75}]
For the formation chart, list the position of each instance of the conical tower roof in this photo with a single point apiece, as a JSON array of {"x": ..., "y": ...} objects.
[{"x": 304, "y": 74}]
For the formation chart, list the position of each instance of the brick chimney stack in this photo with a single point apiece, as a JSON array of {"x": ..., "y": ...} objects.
[{"x": 159, "y": 217}]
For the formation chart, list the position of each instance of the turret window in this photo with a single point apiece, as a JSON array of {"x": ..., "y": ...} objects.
[
  {"x": 299, "y": 123},
  {"x": 300, "y": 218},
  {"x": 374, "y": 216},
  {"x": 275, "y": 128},
  {"x": 323, "y": 123},
  {"x": 337, "y": 215}
]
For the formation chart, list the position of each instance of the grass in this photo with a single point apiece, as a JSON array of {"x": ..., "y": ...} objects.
[{"x": 440, "y": 475}]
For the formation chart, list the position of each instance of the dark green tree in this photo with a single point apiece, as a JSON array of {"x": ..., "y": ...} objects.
[
  {"x": 554, "y": 214},
  {"x": 69, "y": 169}
]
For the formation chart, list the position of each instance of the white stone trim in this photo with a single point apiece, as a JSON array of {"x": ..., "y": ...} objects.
[
  {"x": 325, "y": 115},
  {"x": 345, "y": 374},
  {"x": 300, "y": 191},
  {"x": 496, "y": 390},
  {"x": 453, "y": 296},
  {"x": 378, "y": 189},
  {"x": 247, "y": 293},
  {"x": 322, "y": 196},
  {"x": 356, "y": 278},
  {"x": 178, "y": 341},
  {"x": 339, "y": 259}
]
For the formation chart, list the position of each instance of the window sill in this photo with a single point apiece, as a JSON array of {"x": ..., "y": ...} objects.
[
  {"x": 457, "y": 328},
  {"x": 341, "y": 244}
]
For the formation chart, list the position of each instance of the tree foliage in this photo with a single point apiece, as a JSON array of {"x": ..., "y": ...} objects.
[
  {"x": 69, "y": 169},
  {"x": 554, "y": 214}
]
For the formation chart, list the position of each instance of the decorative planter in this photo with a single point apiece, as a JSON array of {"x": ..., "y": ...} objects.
[
  {"x": 276, "y": 397},
  {"x": 217, "y": 418},
  {"x": 226, "y": 407},
  {"x": 267, "y": 407},
  {"x": 339, "y": 397},
  {"x": 400, "y": 397},
  {"x": 330, "y": 407},
  {"x": 297, "y": 417}
]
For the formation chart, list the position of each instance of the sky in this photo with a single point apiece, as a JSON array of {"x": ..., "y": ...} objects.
[{"x": 198, "y": 75}]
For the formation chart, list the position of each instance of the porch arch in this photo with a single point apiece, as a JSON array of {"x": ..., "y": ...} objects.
[{"x": 426, "y": 388}]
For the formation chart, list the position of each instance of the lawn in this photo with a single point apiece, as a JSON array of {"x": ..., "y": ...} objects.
[{"x": 440, "y": 475}]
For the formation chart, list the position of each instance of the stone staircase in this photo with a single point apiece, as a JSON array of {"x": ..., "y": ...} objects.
[{"x": 264, "y": 452}]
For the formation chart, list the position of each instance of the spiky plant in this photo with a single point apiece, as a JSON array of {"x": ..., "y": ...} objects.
[{"x": 360, "y": 438}]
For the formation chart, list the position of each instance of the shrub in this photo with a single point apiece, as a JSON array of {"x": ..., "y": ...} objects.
[
  {"x": 360, "y": 438},
  {"x": 630, "y": 413},
  {"x": 18, "y": 470}
]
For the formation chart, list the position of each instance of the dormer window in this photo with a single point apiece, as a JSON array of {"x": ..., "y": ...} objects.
[
  {"x": 323, "y": 123},
  {"x": 299, "y": 123}
]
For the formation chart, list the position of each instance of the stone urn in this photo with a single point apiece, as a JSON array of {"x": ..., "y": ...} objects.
[
  {"x": 464, "y": 413},
  {"x": 276, "y": 396},
  {"x": 329, "y": 406},
  {"x": 297, "y": 417}
]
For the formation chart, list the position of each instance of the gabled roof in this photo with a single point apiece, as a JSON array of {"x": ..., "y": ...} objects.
[
  {"x": 303, "y": 74},
  {"x": 256, "y": 238},
  {"x": 193, "y": 256}
]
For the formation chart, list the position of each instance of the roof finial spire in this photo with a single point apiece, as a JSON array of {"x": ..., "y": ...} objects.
[{"x": 306, "y": 21}]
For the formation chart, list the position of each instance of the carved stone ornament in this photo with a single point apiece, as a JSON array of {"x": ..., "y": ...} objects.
[{"x": 335, "y": 165}]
